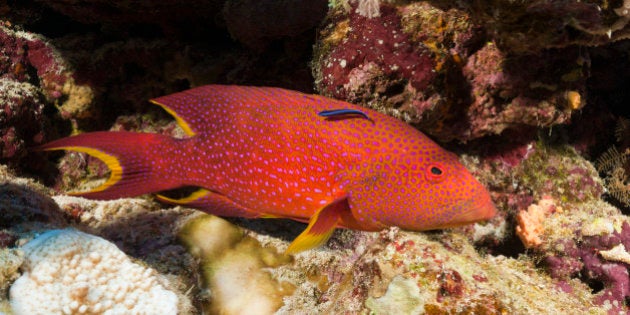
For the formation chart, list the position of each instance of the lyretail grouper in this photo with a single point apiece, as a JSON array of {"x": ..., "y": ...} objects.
[{"x": 259, "y": 152}]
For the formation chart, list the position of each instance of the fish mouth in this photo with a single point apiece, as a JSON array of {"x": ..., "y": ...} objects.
[
  {"x": 470, "y": 211},
  {"x": 477, "y": 209}
]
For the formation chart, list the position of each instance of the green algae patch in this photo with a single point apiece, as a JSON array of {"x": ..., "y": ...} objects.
[{"x": 561, "y": 173}]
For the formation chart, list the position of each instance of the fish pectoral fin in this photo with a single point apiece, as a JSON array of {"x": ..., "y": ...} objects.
[{"x": 320, "y": 227}]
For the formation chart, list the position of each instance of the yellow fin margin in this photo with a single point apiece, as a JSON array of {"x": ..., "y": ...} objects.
[
  {"x": 307, "y": 239},
  {"x": 192, "y": 197},
  {"x": 271, "y": 216},
  {"x": 181, "y": 122},
  {"x": 111, "y": 161}
]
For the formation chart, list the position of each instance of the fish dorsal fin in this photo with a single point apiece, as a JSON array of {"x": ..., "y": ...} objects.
[
  {"x": 320, "y": 227},
  {"x": 205, "y": 108}
]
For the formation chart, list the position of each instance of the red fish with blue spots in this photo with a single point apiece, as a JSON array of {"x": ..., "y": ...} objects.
[{"x": 268, "y": 152}]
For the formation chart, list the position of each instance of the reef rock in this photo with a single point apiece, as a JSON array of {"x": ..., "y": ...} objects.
[
  {"x": 20, "y": 117},
  {"x": 135, "y": 225},
  {"x": 25, "y": 205},
  {"x": 415, "y": 273},
  {"x": 445, "y": 68},
  {"x": 31, "y": 71},
  {"x": 67, "y": 271}
]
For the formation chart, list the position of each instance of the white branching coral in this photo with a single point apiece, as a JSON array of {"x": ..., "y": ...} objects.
[{"x": 70, "y": 272}]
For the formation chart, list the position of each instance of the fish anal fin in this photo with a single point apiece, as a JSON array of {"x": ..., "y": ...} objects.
[
  {"x": 213, "y": 203},
  {"x": 320, "y": 227}
]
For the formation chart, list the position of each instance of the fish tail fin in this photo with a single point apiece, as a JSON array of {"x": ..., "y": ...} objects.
[{"x": 131, "y": 157}]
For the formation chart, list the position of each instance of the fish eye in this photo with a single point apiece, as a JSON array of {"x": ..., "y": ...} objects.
[{"x": 434, "y": 172}]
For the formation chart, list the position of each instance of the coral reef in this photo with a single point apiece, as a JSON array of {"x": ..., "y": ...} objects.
[
  {"x": 24, "y": 51},
  {"x": 561, "y": 173},
  {"x": 586, "y": 241},
  {"x": 21, "y": 118},
  {"x": 437, "y": 68},
  {"x": 31, "y": 58},
  {"x": 403, "y": 296},
  {"x": 137, "y": 226},
  {"x": 67, "y": 271},
  {"x": 439, "y": 274},
  {"x": 141, "y": 229},
  {"x": 600, "y": 259},
  {"x": 25, "y": 205}
]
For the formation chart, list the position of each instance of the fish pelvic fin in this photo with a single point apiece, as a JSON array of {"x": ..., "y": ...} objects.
[
  {"x": 128, "y": 155},
  {"x": 190, "y": 199},
  {"x": 320, "y": 227},
  {"x": 211, "y": 202}
]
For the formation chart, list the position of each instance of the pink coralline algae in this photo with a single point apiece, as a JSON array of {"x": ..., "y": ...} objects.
[
  {"x": 31, "y": 72},
  {"x": 585, "y": 258},
  {"x": 438, "y": 69},
  {"x": 24, "y": 54},
  {"x": 21, "y": 119},
  {"x": 370, "y": 46},
  {"x": 507, "y": 91}
]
